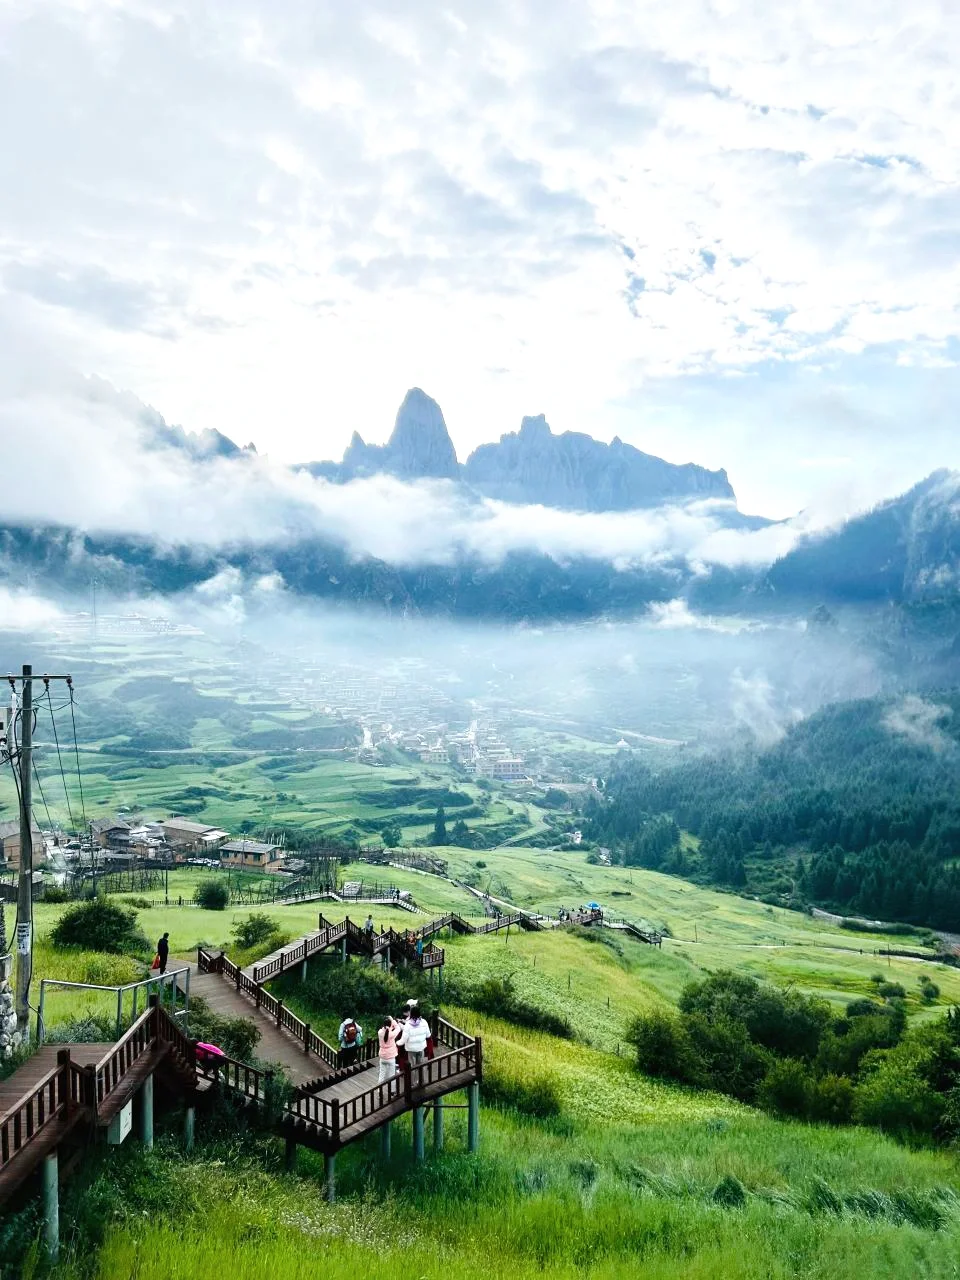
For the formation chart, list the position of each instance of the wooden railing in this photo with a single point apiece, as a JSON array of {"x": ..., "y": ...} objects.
[
  {"x": 111, "y": 1069},
  {"x": 298, "y": 952},
  {"x": 61, "y": 1089},
  {"x": 337, "y": 1115},
  {"x": 208, "y": 962}
]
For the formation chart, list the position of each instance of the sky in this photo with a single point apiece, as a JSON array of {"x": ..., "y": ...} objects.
[{"x": 726, "y": 232}]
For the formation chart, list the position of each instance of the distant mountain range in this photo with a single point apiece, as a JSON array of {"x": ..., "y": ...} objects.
[
  {"x": 572, "y": 472},
  {"x": 905, "y": 552}
]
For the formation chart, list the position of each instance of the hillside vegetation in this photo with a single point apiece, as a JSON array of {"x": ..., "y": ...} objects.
[{"x": 856, "y": 809}]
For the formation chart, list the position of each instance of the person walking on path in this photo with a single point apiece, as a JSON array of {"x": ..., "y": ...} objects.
[
  {"x": 349, "y": 1038},
  {"x": 368, "y": 927},
  {"x": 163, "y": 951},
  {"x": 416, "y": 1033},
  {"x": 387, "y": 1036}
]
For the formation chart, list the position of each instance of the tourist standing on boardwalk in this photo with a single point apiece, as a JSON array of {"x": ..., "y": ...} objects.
[
  {"x": 368, "y": 927},
  {"x": 163, "y": 951},
  {"x": 416, "y": 1033},
  {"x": 387, "y": 1036},
  {"x": 350, "y": 1038}
]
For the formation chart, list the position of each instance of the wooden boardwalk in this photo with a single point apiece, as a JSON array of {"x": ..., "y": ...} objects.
[{"x": 276, "y": 1044}]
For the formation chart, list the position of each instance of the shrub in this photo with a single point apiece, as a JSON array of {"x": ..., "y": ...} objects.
[
  {"x": 730, "y": 1192},
  {"x": 237, "y": 1037},
  {"x": 99, "y": 925},
  {"x": 213, "y": 895},
  {"x": 891, "y": 990},
  {"x": 662, "y": 1044},
  {"x": 831, "y": 1099},
  {"x": 256, "y": 928},
  {"x": 786, "y": 1088},
  {"x": 497, "y": 997},
  {"x": 55, "y": 893},
  {"x": 929, "y": 991},
  {"x": 786, "y": 1022}
]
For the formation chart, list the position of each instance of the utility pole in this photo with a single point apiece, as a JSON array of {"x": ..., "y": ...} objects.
[
  {"x": 25, "y": 885},
  {"x": 21, "y": 756}
]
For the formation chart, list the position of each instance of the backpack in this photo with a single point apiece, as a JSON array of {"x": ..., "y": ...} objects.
[{"x": 350, "y": 1033}]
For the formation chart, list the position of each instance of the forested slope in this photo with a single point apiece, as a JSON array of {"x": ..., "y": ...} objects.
[{"x": 857, "y": 808}]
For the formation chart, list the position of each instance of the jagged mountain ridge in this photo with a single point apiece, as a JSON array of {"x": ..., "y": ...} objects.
[{"x": 572, "y": 471}]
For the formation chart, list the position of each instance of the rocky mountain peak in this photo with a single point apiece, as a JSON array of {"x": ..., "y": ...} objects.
[{"x": 420, "y": 444}]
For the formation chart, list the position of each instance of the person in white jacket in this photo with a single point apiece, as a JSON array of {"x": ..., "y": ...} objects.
[{"x": 414, "y": 1036}]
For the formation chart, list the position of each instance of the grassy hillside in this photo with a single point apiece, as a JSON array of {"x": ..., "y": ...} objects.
[{"x": 625, "y": 1176}]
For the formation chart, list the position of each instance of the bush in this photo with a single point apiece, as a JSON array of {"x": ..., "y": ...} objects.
[
  {"x": 255, "y": 929},
  {"x": 662, "y": 1044},
  {"x": 213, "y": 895},
  {"x": 891, "y": 990},
  {"x": 497, "y": 997},
  {"x": 237, "y": 1037},
  {"x": 831, "y": 1100},
  {"x": 786, "y": 1022},
  {"x": 55, "y": 893},
  {"x": 786, "y": 1088},
  {"x": 99, "y": 925}
]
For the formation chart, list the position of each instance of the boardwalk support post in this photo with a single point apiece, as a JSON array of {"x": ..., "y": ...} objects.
[
  {"x": 51, "y": 1206},
  {"x": 146, "y": 1113},
  {"x": 330, "y": 1177},
  {"x": 290, "y": 1155},
  {"x": 437, "y": 1126},
  {"x": 303, "y": 970},
  {"x": 343, "y": 949},
  {"x": 189, "y": 1122},
  {"x": 385, "y": 1140},
  {"x": 418, "y": 1134},
  {"x": 473, "y": 1117}
]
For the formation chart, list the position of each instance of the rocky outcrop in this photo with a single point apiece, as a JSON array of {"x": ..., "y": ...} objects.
[
  {"x": 575, "y": 472},
  {"x": 571, "y": 471},
  {"x": 420, "y": 447}
]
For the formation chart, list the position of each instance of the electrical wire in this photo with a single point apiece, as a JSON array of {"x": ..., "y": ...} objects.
[
  {"x": 36, "y": 778},
  {"x": 76, "y": 752},
  {"x": 63, "y": 776}
]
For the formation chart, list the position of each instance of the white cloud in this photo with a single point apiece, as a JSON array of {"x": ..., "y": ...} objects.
[
  {"x": 273, "y": 219},
  {"x": 920, "y": 722}
]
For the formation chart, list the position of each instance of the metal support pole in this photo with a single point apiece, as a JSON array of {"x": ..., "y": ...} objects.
[
  {"x": 343, "y": 949},
  {"x": 186, "y": 1003},
  {"x": 473, "y": 1117},
  {"x": 418, "y": 1134},
  {"x": 437, "y": 1126},
  {"x": 51, "y": 1206},
  {"x": 189, "y": 1123},
  {"x": 119, "y": 1012},
  {"x": 146, "y": 1113},
  {"x": 136, "y": 1002},
  {"x": 330, "y": 1177},
  {"x": 291, "y": 1155},
  {"x": 385, "y": 1140},
  {"x": 303, "y": 970},
  {"x": 40, "y": 1023}
]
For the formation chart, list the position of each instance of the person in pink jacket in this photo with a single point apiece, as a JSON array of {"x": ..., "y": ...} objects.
[{"x": 387, "y": 1036}]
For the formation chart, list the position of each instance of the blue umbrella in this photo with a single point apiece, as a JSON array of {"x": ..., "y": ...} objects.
[{"x": 594, "y": 906}]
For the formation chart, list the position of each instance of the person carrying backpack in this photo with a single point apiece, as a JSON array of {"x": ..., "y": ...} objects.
[
  {"x": 350, "y": 1038},
  {"x": 163, "y": 951}
]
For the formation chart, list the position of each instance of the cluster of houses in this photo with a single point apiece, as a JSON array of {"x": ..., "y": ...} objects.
[{"x": 176, "y": 839}]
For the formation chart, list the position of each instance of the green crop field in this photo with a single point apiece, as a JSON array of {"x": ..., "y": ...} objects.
[{"x": 627, "y": 1176}]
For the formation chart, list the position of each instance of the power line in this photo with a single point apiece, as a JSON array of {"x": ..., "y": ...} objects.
[
  {"x": 36, "y": 778},
  {"x": 76, "y": 752},
  {"x": 63, "y": 776}
]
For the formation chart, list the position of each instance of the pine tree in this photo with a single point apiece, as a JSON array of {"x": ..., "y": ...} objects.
[{"x": 440, "y": 827}]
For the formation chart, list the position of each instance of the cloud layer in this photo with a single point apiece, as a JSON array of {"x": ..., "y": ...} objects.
[
  {"x": 716, "y": 230},
  {"x": 89, "y": 458}
]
